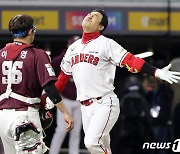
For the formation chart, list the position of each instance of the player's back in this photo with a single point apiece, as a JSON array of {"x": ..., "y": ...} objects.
[{"x": 27, "y": 73}]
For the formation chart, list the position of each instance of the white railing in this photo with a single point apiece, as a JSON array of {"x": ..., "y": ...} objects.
[
  {"x": 85, "y": 3},
  {"x": 99, "y": 0},
  {"x": 93, "y": 3}
]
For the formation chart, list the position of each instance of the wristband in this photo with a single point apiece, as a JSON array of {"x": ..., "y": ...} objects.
[{"x": 148, "y": 69}]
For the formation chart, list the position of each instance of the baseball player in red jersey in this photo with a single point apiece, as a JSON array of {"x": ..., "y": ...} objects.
[
  {"x": 92, "y": 62},
  {"x": 25, "y": 71}
]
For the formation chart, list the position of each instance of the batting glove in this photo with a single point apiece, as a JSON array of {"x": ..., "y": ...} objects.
[{"x": 169, "y": 76}]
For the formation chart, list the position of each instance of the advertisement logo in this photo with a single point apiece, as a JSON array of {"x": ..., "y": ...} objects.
[
  {"x": 175, "y": 146},
  {"x": 74, "y": 20},
  {"x": 148, "y": 21},
  {"x": 114, "y": 19},
  {"x": 42, "y": 19}
]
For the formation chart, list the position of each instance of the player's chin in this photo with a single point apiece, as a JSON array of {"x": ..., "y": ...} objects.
[{"x": 85, "y": 25}]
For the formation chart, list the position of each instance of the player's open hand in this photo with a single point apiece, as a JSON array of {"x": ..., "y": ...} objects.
[
  {"x": 169, "y": 76},
  {"x": 70, "y": 122},
  {"x": 67, "y": 117}
]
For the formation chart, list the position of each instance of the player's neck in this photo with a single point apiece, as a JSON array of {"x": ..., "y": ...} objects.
[
  {"x": 24, "y": 40},
  {"x": 87, "y": 37}
]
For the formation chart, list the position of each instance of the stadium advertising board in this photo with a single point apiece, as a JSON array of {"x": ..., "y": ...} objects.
[
  {"x": 43, "y": 19},
  {"x": 122, "y": 21}
]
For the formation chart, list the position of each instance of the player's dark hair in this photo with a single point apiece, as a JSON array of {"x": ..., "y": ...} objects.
[
  {"x": 104, "y": 21},
  {"x": 20, "y": 25}
]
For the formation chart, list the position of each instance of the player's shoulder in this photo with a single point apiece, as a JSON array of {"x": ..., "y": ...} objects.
[
  {"x": 105, "y": 39},
  {"x": 102, "y": 37},
  {"x": 38, "y": 52},
  {"x": 37, "y": 49}
]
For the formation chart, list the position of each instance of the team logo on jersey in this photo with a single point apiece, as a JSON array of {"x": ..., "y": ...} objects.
[
  {"x": 4, "y": 54},
  {"x": 122, "y": 50},
  {"x": 23, "y": 54},
  {"x": 72, "y": 48},
  {"x": 50, "y": 70},
  {"x": 88, "y": 58}
]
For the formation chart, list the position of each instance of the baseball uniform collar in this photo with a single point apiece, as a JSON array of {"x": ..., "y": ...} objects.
[
  {"x": 14, "y": 49},
  {"x": 87, "y": 37}
]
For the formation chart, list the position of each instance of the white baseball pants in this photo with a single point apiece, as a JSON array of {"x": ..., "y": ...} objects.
[
  {"x": 98, "y": 120},
  {"x": 8, "y": 117}
]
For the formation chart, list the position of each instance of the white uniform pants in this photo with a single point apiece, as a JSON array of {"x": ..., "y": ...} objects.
[
  {"x": 7, "y": 118},
  {"x": 98, "y": 120},
  {"x": 60, "y": 131},
  {"x": 1, "y": 147}
]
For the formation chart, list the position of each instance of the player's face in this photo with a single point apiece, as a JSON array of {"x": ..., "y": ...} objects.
[{"x": 91, "y": 22}]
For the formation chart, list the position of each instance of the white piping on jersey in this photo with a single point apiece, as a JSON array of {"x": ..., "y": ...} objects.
[{"x": 123, "y": 59}]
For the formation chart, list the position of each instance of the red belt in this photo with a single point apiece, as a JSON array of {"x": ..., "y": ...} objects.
[
  {"x": 19, "y": 109},
  {"x": 89, "y": 101}
]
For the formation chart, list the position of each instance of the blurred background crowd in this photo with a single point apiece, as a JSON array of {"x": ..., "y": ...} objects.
[{"x": 150, "y": 108}]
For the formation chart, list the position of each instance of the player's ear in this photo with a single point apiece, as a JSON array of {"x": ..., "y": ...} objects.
[
  {"x": 29, "y": 32},
  {"x": 101, "y": 27}
]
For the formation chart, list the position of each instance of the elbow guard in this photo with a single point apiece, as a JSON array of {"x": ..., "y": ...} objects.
[
  {"x": 52, "y": 92},
  {"x": 132, "y": 63}
]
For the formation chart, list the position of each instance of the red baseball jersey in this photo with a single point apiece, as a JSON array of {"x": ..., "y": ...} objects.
[{"x": 31, "y": 70}]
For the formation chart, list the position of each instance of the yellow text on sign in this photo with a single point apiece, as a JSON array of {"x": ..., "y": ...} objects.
[
  {"x": 43, "y": 20},
  {"x": 148, "y": 21}
]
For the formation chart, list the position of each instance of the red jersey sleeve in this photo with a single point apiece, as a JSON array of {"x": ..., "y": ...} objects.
[{"x": 62, "y": 81}]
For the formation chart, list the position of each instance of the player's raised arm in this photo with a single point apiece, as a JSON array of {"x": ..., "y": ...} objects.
[{"x": 135, "y": 65}]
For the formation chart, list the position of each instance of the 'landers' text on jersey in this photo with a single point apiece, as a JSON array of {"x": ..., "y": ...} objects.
[{"x": 84, "y": 58}]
